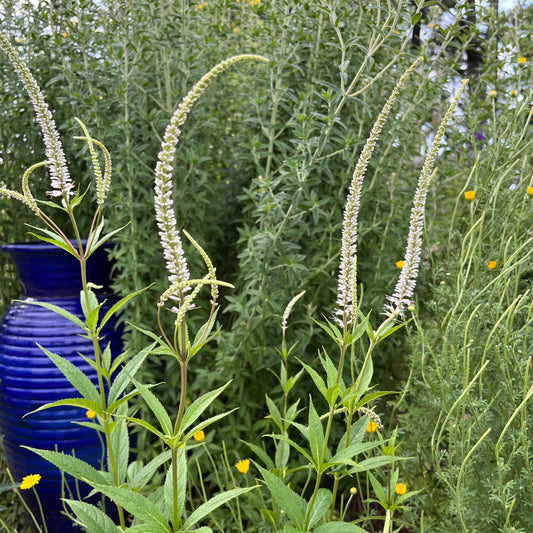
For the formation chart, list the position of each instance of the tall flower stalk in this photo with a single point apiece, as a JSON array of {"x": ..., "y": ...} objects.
[
  {"x": 406, "y": 282},
  {"x": 59, "y": 175},
  {"x": 63, "y": 188},
  {"x": 176, "y": 263},
  {"x": 346, "y": 311}
]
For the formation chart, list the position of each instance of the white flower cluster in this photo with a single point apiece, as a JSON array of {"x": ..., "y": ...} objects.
[
  {"x": 346, "y": 310},
  {"x": 59, "y": 175},
  {"x": 165, "y": 215},
  {"x": 405, "y": 286}
]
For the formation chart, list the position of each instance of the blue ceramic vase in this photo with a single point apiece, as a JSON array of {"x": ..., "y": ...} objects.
[{"x": 29, "y": 379}]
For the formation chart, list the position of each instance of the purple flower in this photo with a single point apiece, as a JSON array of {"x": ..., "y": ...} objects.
[{"x": 480, "y": 136}]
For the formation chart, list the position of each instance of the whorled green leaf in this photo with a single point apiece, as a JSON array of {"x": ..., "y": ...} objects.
[{"x": 317, "y": 379}]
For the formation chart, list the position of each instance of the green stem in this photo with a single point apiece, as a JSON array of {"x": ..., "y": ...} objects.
[{"x": 175, "y": 488}]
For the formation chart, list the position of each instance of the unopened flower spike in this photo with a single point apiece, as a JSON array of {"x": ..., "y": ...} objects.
[
  {"x": 174, "y": 291},
  {"x": 103, "y": 182},
  {"x": 165, "y": 216},
  {"x": 346, "y": 311},
  {"x": 208, "y": 263},
  {"x": 288, "y": 310},
  {"x": 406, "y": 283},
  {"x": 26, "y": 197},
  {"x": 59, "y": 175}
]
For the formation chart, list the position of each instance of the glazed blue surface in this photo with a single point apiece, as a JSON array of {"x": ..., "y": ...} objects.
[{"x": 29, "y": 379}]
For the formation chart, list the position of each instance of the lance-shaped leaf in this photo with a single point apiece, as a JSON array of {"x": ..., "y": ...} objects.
[
  {"x": 92, "y": 518},
  {"x": 195, "y": 410},
  {"x": 137, "y": 505},
  {"x": 72, "y": 465},
  {"x": 288, "y": 500},
  {"x": 75, "y": 376},
  {"x": 62, "y": 312},
  {"x": 216, "y": 501},
  {"x": 155, "y": 405}
]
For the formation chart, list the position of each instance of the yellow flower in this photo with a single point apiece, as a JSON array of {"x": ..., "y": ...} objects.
[
  {"x": 200, "y": 7},
  {"x": 64, "y": 34},
  {"x": 90, "y": 414},
  {"x": 492, "y": 265},
  {"x": 493, "y": 93},
  {"x": 400, "y": 264},
  {"x": 400, "y": 489},
  {"x": 199, "y": 436},
  {"x": 513, "y": 93},
  {"x": 243, "y": 466},
  {"x": 253, "y": 2},
  {"x": 371, "y": 426},
  {"x": 30, "y": 481},
  {"x": 529, "y": 191},
  {"x": 470, "y": 195},
  {"x": 353, "y": 491},
  {"x": 236, "y": 29},
  {"x": 521, "y": 60}
]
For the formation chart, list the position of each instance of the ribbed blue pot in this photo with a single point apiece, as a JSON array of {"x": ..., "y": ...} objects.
[{"x": 29, "y": 379}]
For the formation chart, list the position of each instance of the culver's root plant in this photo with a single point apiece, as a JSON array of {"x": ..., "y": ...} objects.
[{"x": 300, "y": 488}]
